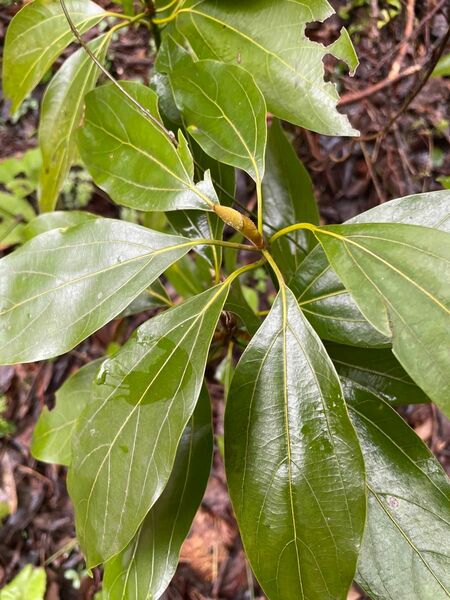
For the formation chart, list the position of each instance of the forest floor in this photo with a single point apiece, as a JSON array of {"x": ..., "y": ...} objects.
[{"x": 349, "y": 177}]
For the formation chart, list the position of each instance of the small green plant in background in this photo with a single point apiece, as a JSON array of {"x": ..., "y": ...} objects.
[
  {"x": 327, "y": 481},
  {"x": 28, "y": 584}
]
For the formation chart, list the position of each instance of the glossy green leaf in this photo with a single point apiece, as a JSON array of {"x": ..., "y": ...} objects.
[
  {"x": 323, "y": 298},
  {"x": 61, "y": 113},
  {"x": 230, "y": 127},
  {"x": 63, "y": 285},
  {"x": 288, "y": 198},
  {"x": 268, "y": 39},
  {"x": 377, "y": 371},
  {"x": 36, "y": 37},
  {"x": 52, "y": 436},
  {"x": 28, "y": 584},
  {"x": 132, "y": 159},
  {"x": 126, "y": 443},
  {"x": 294, "y": 467},
  {"x": 406, "y": 545},
  {"x": 146, "y": 566},
  {"x": 56, "y": 220},
  {"x": 399, "y": 276}
]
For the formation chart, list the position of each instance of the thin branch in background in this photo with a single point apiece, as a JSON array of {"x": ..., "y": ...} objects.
[
  {"x": 409, "y": 27},
  {"x": 436, "y": 55},
  {"x": 107, "y": 74}
]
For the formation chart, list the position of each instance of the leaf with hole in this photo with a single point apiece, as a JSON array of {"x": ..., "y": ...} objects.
[{"x": 268, "y": 40}]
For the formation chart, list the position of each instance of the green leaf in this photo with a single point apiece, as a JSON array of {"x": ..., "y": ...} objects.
[
  {"x": 294, "y": 467},
  {"x": 405, "y": 551},
  {"x": 189, "y": 276},
  {"x": 36, "y": 37},
  {"x": 126, "y": 442},
  {"x": 323, "y": 298},
  {"x": 56, "y": 220},
  {"x": 52, "y": 436},
  {"x": 132, "y": 159},
  {"x": 445, "y": 182},
  {"x": 14, "y": 212},
  {"x": 230, "y": 127},
  {"x": 63, "y": 285},
  {"x": 377, "y": 371},
  {"x": 442, "y": 69},
  {"x": 146, "y": 566},
  {"x": 288, "y": 198},
  {"x": 61, "y": 113},
  {"x": 29, "y": 584},
  {"x": 268, "y": 40},
  {"x": 195, "y": 224},
  {"x": 399, "y": 276}
]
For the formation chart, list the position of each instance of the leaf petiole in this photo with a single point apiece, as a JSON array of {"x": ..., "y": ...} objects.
[{"x": 292, "y": 228}]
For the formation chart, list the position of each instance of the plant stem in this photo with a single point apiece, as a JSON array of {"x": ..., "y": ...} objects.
[
  {"x": 292, "y": 228},
  {"x": 207, "y": 242},
  {"x": 269, "y": 258},
  {"x": 167, "y": 6},
  {"x": 229, "y": 280},
  {"x": 259, "y": 198}
]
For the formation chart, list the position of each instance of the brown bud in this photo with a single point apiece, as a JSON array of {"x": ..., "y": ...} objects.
[{"x": 240, "y": 223}]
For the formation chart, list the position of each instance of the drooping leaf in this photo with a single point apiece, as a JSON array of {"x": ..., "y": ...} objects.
[
  {"x": 288, "y": 198},
  {"x": 36, "y": 37},
  {"x": 294, "y": 467},
  {"x": 63, "y": 285},
  {"x": 399, "y": 276},
  {"x": 126, "y": 442},
  {"x": 61, "y": 112},
  {"x": 405, "y": 552},
  {"x": 146, "y": 566},
  {"x": 52, "y": 436},
  {"x": 268, "y": 39},
  {"x": 29, "y": 584},
  {"x": 230, "y": 127},
  {"x": 132, "y": 159},
  {"x": 377, "y": 371},
  {"x": 55, "y": 220},
  {"x": 321, "y": 294}
]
